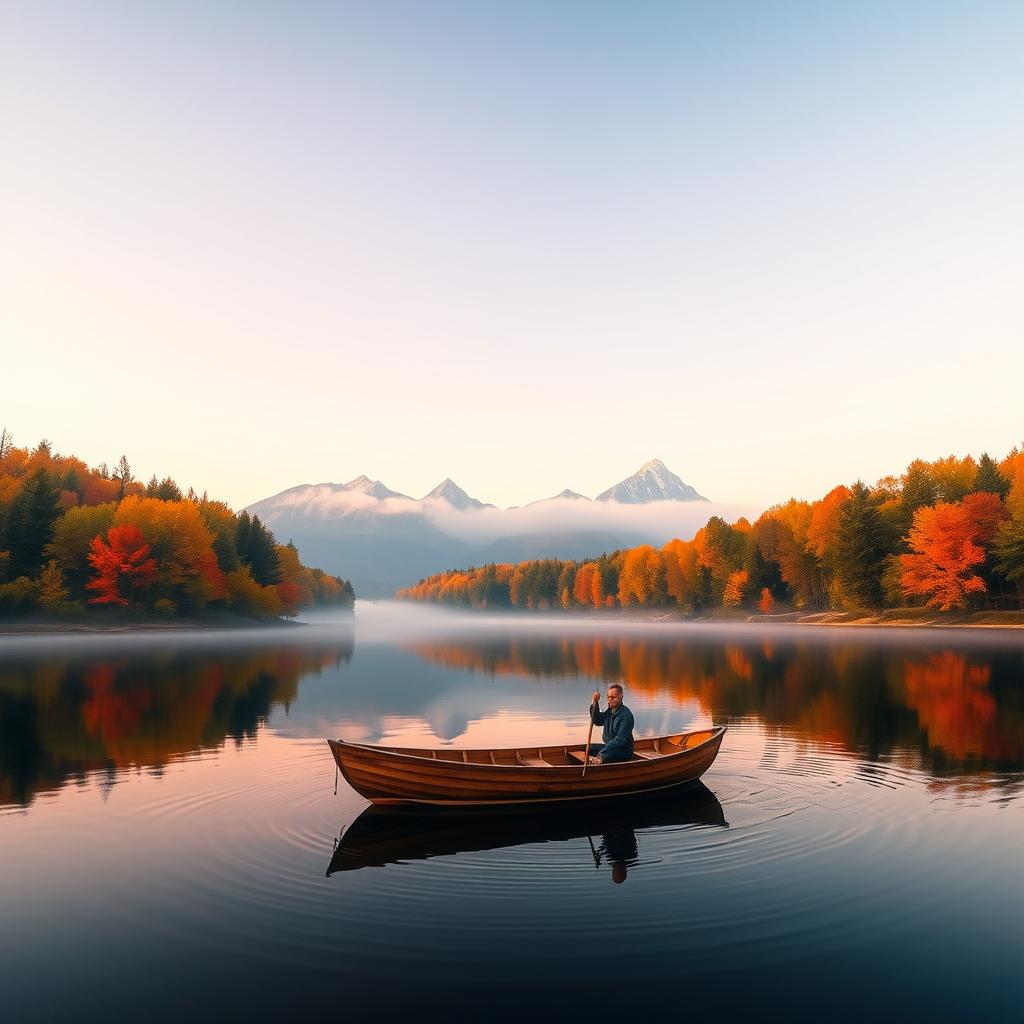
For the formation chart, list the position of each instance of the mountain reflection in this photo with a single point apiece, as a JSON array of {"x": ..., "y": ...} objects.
[
  {"x": 61, "y": 718},
  {"x": 961, "y": 711},
  {"x": 381, "y": 835}
]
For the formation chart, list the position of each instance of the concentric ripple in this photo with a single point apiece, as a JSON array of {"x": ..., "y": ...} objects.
[{"x": 233, "y": 862}]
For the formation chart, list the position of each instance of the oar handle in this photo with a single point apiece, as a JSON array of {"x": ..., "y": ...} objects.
[{"x": 590, "y": 732}]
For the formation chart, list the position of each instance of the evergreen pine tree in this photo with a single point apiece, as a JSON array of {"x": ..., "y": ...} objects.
[
  {"x": 989, "y": 478},
  {"x": 259, "y": 552},
  {"x": 919, "y": 490},
  {"x": 242, "y": 537},
  {"x": 72, "y": 481},
  {"x": 30, "y": 523},
  {"x": 566, "y": 579},
  {"x": 860, "y": 548},
  {"x": 224, "y": 549},
  {"x": 763, "y": 574},
  {"x": 1009, "y": 554}
]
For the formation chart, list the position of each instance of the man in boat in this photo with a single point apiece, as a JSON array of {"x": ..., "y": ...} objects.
[{"x": 618, "y": 728}]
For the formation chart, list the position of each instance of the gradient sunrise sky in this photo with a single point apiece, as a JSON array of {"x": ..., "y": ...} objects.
[{"x": 526, "y": 245}]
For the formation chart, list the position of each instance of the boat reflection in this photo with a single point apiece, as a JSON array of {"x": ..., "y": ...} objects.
[{"x": 384, "y": 835}]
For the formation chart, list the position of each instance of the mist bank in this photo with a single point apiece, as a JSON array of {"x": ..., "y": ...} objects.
[
  {"x": 382, "y": 545},
  {"x": 394, "y": 619}
]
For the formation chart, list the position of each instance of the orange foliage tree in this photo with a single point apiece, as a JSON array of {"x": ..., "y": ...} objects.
[
  {"x": 682, "y": 573},
  {"x": 642, "y": 580},
  {"x": 946, "y": 542},
  {"x": 583, "y": 585}
]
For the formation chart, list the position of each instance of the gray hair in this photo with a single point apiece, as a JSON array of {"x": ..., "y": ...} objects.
[{"x": 616, "y": 686}]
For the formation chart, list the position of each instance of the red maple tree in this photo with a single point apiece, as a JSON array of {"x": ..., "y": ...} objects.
[{"x": 122, "y": 565}]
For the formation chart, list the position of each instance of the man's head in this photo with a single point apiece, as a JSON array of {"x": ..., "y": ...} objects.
[{"x": 614, "y": 696}]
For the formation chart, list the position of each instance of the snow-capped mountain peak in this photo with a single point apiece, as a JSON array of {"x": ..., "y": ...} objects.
[
  {"x": 364, "y": 485},
  {"x": 565, "y": 495},
  {"x": 448, "y": 490},
  {"x": 653, "y": 481}
]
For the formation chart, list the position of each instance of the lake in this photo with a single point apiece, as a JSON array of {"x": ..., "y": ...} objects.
[{"x": 171, "y": 843}]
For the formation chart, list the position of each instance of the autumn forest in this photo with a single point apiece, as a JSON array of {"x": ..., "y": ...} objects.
[
  {"x": 76, "y": 540},
  {"x": 946, "y": 535}
]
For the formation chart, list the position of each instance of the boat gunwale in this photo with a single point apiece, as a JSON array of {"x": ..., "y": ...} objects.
[{"x": 717, "y": 731}]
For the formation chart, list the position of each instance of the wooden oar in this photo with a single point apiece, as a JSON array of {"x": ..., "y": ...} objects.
[{"x": 590, "y": 732}]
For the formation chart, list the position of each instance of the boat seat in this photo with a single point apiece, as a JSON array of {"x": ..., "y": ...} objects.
[
  {"x": 648, "y": 755},
  {"x": 575, "y": 755},
  {"x": 533, "y": 762}
]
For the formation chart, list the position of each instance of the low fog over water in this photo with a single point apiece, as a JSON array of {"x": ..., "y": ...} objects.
[{"x": 394, "y": 621}]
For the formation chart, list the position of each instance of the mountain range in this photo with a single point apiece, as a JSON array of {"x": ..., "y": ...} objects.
[{"x": 382, "y": 539}]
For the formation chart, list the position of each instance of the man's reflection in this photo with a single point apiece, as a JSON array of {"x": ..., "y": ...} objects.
[{"x": 618, "y": 849}]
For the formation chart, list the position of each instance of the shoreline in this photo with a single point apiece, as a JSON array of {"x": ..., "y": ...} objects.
[
  {"x": 890, "y": 618},
  {"x": 55, "y": 627},
  {"x": 893, "y": 618}
]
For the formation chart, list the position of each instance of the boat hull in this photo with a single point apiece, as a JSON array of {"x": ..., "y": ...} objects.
[{"x": 392, "y": 775}]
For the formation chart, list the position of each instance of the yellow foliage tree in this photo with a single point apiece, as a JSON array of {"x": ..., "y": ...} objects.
[
  {"x": 182, "y": 544},
  {"x": 52, "y": 592},
  {"x": 734, "y": 587}
]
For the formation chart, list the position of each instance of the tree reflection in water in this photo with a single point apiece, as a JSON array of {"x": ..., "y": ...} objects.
[
  {"x": 958, "y": 710},
  {"x": 63, "y": 718}
]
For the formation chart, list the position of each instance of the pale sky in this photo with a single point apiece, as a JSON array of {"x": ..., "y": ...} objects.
[{"x": 529, "y": 246}]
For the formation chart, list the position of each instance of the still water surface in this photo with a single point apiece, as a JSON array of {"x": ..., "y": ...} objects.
[{"x": 171, "y": 844}]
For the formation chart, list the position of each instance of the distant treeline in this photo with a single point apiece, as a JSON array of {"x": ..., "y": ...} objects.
[
  {"x": 72, "y": 537},
  {"x": 947, "y": 534}
]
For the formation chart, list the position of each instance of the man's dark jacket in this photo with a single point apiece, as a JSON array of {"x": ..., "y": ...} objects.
[{"x": 618, "y": 732}]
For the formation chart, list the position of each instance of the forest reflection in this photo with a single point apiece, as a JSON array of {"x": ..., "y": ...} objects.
[
  {"x": 961, "y": 710},
  {"x": 63, "y": 718},
  {"x": 954, "y": 711}
]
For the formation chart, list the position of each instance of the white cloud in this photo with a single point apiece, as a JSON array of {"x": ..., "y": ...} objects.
[{"x": 665, "y": 519}]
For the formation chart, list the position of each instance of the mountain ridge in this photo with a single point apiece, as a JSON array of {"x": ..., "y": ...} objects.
[
  {"x": 653, "y": 481},
  {"x": 382, "y": 539}
]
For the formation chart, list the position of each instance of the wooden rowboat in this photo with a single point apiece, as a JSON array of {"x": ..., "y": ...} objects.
[{"x": 521, "y": 775}]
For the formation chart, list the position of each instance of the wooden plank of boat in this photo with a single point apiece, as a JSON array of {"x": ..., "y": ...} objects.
[{"x": 521, "y": 775}]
